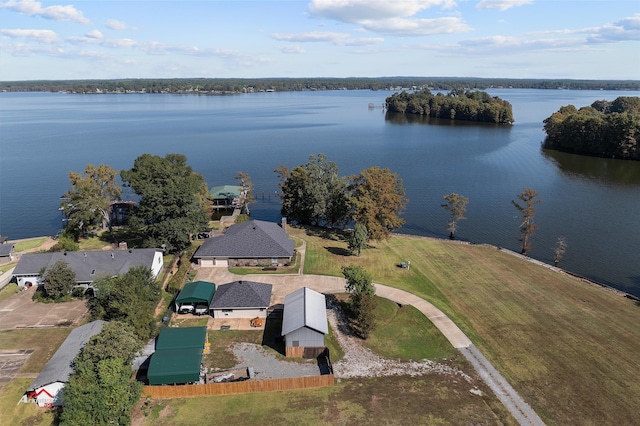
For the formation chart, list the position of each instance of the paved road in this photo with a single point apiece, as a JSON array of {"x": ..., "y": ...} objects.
[{"x": 285, "y": 284}]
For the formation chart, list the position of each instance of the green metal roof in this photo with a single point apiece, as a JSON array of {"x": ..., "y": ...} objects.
[
  {"x": 225, "y": 191},
  {"x": 196, "y": 292},
  {"x": 171, "y": 366},
  {"x": 181, "y": 338}
]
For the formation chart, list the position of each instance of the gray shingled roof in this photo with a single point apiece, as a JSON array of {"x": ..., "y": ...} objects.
[
  {"x": 246, "y": 240},
  {"x": 304, "y": 308},
  {"x": 88, "y": 265},
  {"x": 5, "y": 249},
  {"x": 242, "y": 294},
  {"x": 60, "y": 366}
]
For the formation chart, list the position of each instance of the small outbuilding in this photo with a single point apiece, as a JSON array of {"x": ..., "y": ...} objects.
[
  {"x": 47, "y": 389},
  {"x": 241, "y": 299},
  {"x": 178, "y": 356},
  {"x": 197, "y": 294},
  {"x": 7, "y": 253},
  {"x": 304, "y": 323}
]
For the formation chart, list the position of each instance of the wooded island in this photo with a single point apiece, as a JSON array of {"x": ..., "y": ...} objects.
[
  {"x": 604, "y": 129},
  {"x": 468, "y": 105}
]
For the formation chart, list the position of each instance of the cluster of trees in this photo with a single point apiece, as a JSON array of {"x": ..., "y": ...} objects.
[
  {"x": 173, "y": 200},
  {"x": 468, "y": 105},
  {"x": 100, "y": 390},
  {"x": 604, "y": 129},
  {"x": 315, "y": 194},
  {"x": 240, "y": 85}
]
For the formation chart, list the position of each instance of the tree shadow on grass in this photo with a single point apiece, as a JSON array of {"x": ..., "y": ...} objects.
[
  {"x": 338, "y": 251},
  {"x": 324, "y": 233},
  {"x": 124, "y": 234}
]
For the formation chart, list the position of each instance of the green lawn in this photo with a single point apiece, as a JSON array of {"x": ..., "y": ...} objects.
[
  {"x": 552, "y": 336},
  {"x": 29, "y": 244}
]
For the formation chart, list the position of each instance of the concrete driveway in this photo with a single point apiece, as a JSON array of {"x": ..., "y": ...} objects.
[{"x": 19, "y": 311}]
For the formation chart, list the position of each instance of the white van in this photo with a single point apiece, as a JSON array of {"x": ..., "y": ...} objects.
[{"x": 201, "y": 310}]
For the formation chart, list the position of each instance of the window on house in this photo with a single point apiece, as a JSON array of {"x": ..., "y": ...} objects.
[
  {"x": 295, "y": 343},
  {"x": 227, "y": 310}
]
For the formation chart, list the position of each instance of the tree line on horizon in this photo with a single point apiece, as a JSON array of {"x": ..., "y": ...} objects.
[{"x": 242, "y": 85}]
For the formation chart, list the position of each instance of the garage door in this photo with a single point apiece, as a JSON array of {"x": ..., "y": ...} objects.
[
  {"x": 222, "y": 263},
  {"x": 206, "y": 263}
]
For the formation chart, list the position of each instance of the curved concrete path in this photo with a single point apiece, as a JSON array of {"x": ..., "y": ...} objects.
[{"x": 285, "y": 284}]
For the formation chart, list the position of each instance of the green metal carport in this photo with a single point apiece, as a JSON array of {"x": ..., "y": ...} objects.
[
  {"x": 197, "y": 293},
  {"x": 178, "y": 356}
]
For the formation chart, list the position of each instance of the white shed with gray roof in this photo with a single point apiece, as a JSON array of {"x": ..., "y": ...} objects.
[
  {"x": 46, "y": 389},
  {"x": 304, "y": 321}
]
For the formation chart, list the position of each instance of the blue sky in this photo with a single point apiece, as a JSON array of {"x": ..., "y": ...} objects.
[{"x": 86, "y": 39}]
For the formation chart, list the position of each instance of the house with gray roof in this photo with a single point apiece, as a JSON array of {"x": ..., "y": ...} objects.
[
  {"x": 47, "y": 389},
  {"x": 87, "y": 265},
  {"x": 241, "y": 299},
  {"x": 7, "y": 253},
  {"x": 304, "y": 322},
  {"x": 250, "y": 243}
]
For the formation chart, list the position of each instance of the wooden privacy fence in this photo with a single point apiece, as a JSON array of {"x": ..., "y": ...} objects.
[{"x": 249, "y": 386}]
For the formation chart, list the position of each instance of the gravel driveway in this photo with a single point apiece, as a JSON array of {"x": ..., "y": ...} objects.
[{"x": 358, "y": 360}]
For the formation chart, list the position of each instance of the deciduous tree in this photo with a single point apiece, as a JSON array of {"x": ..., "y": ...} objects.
[
  {"x": 361, "y": 294},
  {"x": 131, "y": 298},
  {"x": 313, "y": 193},
  {"x": 86, "y": 204},
  {"x": 456, "y": 206},
  {"x": 173, "y": 200},
  {"x": 528, "y": 210},
  {"x": 59, "y": 279},
  {"x": 357, "y": 239},
  {"x": 100, "y": 390},
  {"x": 377, "y": 196}
]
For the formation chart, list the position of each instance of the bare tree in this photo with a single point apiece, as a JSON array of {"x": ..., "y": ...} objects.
[
  {"x": 456, "y": 206},
  {"x": 559, "y": 250},
  {"x": 528, "y": 210}
]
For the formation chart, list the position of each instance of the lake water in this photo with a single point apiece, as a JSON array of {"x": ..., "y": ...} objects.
[{"x": 594, "y": 203}]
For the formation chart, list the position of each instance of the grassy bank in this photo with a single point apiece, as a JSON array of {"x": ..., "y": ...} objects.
[{"x": 570, "y": 348}]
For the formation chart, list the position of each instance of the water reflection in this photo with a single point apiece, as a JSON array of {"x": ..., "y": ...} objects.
[
  {"x": 602, "y": 170},
  {"x": 400, "y": 118}
]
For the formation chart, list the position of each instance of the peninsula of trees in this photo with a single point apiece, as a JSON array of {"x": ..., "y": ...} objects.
[
  {"x": 604, "y": 129},
  {"x": 468, "y": 105}
]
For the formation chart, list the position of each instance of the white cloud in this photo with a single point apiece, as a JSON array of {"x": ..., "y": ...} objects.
[
  {"x": 114, "y": 24},
  {"x": 95, "y": 34},
  {"x": 390, "y": 17},
  {"x": 623, "y": 30},
  {"x": 501, "y": 4},
  {"x": 314, "y": 36},
  {"x": 354, "y": 11},
  {"x": 56, "y": 12},
  {"x": 295, "y": 49},
  {"x": 337, "y": 39},
  {"x": 43, "y": 36},
  {"x": 417, "y": 27}
]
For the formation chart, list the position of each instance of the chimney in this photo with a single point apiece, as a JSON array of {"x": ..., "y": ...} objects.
[
  {"x": 122, "y": 245},
  {"x": 283, "y": 223}
]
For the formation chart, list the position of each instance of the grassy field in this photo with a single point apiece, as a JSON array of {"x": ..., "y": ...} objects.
[
  {"x": 570, "y": 348},
  {"x": 29, "y": 244}
]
